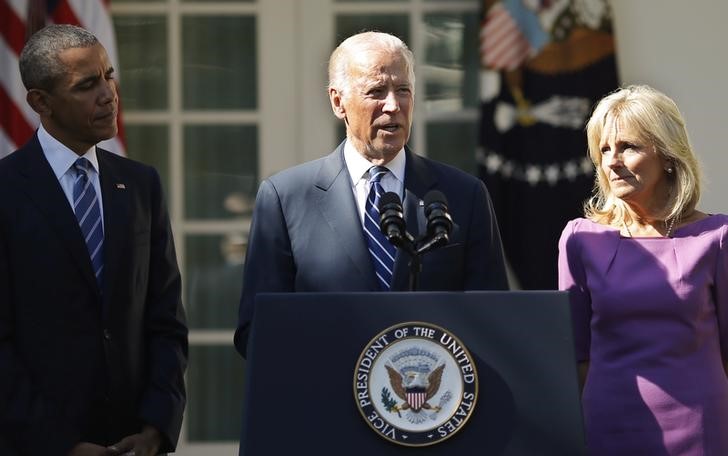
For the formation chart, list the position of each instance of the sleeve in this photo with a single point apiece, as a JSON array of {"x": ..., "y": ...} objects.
[
  {"x": 485, "y": 259},
  {"x": 721, "y": 293},
  {"x": 28, "y": 420},
  {"x": 269, "y": 264},
  {"x": 572, "y": 278},
  {"x": 164, "y": 398}
]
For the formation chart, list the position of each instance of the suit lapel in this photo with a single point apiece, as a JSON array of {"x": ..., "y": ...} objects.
[
  {"x": 338, "y": 207},
  {"x": 116, "y": 219},
  {"x": 46, "y": 193},
  {"x": 418, "y": 179}
]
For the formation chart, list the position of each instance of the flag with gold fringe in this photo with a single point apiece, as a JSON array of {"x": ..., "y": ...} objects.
[{"x": 544, "y": 64}]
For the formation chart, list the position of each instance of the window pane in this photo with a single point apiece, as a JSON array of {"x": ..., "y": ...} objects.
[
  {"x": 150, "y": 144},
  {"x": 453, "y": 143},
  {"x": 450, "y": 65},
  {"x": 213, "y": 279},
  {"x": 142, "y": 45},
  {"x": 221, "y": 170},
  {"x": 349, "y": 24},
  {"x": 214, "y": 394},
  {"x": 219, "y": 62}
]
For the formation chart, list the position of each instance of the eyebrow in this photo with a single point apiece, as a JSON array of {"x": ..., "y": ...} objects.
[
  {"x": 94, "y": 77},
  {"x": 373, "y": 84},
  {"x": 627, "y": 141}
]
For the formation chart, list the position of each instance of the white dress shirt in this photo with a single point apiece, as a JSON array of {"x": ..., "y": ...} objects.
[
  {"x": 358, "y": 167},
  {"x": 61, "y": 159}
]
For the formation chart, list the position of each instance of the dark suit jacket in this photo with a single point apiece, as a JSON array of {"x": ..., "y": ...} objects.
[
  {"x": 78, "y": 363},
  {"x": 306, "y": 235}
]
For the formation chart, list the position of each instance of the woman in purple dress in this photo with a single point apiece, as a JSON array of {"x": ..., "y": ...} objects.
[{"x": 647, "y": 276}]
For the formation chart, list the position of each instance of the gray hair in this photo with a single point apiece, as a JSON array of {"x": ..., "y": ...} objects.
[
  {"x": 365, "y": 42},
  {"x": 40, "y": 67}
]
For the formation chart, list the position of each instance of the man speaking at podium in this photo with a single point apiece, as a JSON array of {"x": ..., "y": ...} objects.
[{"x": 315, "y": 226}]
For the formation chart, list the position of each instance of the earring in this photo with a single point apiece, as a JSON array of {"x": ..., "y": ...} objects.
[{"x": 669, "y": 170}]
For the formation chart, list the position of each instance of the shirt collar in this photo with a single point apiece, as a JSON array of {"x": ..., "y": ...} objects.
[
  {"x": 60, "y": 157},
  {"x": 358, "y": 165}
]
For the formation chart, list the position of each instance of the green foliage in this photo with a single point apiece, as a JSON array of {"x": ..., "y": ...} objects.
[{"x": 389, "y": 403}]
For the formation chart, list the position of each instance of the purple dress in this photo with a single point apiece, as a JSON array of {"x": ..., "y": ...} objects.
[{"x": 651, "y": 316}]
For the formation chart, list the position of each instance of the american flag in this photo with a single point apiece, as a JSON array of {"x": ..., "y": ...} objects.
[
  {"x": 502, "y": 44},
  {"x": 18, "y": 20},
  {"x": 509, "y": 34}
]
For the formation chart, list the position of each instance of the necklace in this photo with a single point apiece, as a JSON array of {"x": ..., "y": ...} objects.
[
  {"x": 669, "y": 227},
  {"x": 668, "y": 233},
  {"x": 626, "y": 228}
]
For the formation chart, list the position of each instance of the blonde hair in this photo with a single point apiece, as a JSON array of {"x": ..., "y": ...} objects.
[
  {"x": 360, "y": 43},
  {"x": 656, "y": 119}
]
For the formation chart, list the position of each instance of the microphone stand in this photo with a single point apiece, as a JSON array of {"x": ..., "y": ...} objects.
[
  {"x": 415, "y": 253},
  {"x": 393, "y": 226},
  {"x": 407, "y": 243},
  {"x": 415, "y": 266}
]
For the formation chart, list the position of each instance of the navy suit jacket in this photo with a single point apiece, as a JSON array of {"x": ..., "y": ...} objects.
[
  {"x": 78, "y": 363},
  {"x": 306, "y": 235}
]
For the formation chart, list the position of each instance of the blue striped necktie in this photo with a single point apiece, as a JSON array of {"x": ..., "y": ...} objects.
[
  {"x": 88, "y": 213},
  {"x": 381, "y": 250}
]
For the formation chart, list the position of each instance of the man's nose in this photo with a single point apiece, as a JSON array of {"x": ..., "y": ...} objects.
[
  {"x": 108, "y": 91},
  {"x": 391, "y": 104}
]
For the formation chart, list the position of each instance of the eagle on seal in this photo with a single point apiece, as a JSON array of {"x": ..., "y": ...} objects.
[{"x": 415, "y": 387}]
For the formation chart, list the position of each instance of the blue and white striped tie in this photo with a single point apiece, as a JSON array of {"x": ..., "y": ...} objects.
[
  {"x": 88, "y": 212},
  {"x": 381, "y": 250}
]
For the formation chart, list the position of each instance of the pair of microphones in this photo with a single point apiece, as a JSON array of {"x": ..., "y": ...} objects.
[{"x": 394, "y": 227}]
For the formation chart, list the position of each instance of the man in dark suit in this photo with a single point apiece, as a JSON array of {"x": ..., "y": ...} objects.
[
  {"x": 93, "y": 339},
  {"x": 310, "y": 231}
]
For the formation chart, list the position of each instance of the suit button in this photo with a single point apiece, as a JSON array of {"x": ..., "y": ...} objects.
[{"x": 107, "y": 334}]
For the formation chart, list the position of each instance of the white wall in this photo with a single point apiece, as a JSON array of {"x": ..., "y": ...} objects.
[{"x": 681, "y": 48}]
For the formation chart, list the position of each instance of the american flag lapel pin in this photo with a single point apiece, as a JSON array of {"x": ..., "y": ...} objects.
[{"x": 121, "y": 186}]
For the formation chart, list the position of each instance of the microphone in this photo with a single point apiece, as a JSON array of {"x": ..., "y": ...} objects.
[
  {"x": 391, "y": 219},
  {"x": 394, "y": 228},
  {"x": 439, "y": 222}
]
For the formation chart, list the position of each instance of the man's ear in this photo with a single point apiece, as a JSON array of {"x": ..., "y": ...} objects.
[
  {"x": 38, "y": 100},
  {"x": 337, "y": 103}
]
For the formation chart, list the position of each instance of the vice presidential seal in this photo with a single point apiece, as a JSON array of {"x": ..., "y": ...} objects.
[{"x": 415, "y": 384}]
